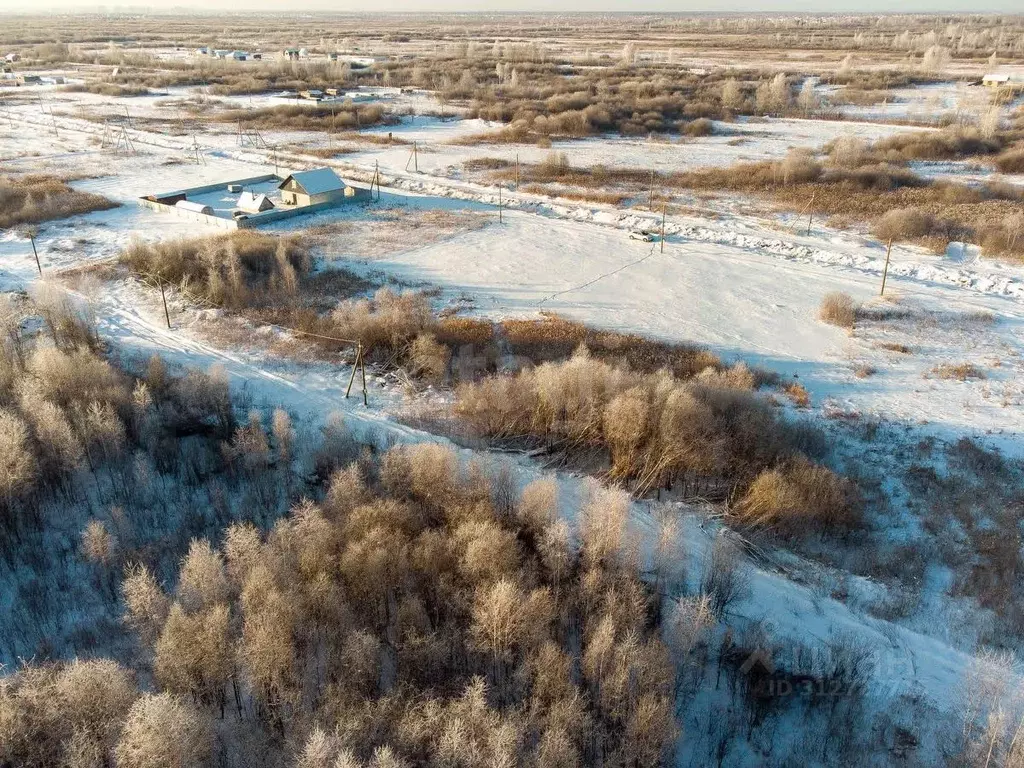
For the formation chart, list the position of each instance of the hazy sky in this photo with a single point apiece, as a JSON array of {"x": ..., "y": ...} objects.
[{"x": 817, "y": 6}]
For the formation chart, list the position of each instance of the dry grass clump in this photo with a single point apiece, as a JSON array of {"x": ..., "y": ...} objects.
[
  {"x": 386, "y": 323},
  {"x": 948, "y": 144},
  {"x": 798, "y": 393},
  {"x": 486, "y": 164},
  {"x": 107, "y": 89},
  {"x": 1011, "y": 160},
  {"x": 654, "y": 428},
  {"x": 892, "y": 346},
  {"x": 838, "y": 309},
  {"x": 306, "y": 117},
  {"x": 798, "y": 498},
  {"x": 903, "y": 224},
  {"x": 33, "y": 199},
  {"x": 1004, "y": 236},
  {"x": 241, "y": 269},
  {"x": 699, "y": 127},
  {"x": 957, "y": 371},
  {"x": 556, "y": 338},
  {"x": 864, "y": 371}
]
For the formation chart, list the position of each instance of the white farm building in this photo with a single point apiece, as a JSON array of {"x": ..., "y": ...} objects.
[
  {"x": 250, "y": 202},
  {"x": 321, "y": 185}
]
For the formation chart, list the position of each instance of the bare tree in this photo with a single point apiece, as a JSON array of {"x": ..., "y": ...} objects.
[{"x": 726, "y": 578}]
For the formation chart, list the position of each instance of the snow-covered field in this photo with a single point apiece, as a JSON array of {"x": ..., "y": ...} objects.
[{"x": 745, "y": 287}]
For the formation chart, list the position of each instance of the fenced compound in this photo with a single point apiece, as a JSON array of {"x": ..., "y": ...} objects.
[{"x": 219, "y": 204}]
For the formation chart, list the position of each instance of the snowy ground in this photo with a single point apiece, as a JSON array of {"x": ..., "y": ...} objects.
[{"x": 743, "y": 286}]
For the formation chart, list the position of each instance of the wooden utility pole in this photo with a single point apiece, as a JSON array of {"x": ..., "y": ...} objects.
[
  {"x": 651, "y": 204},
  {"x": 355, "y": 366},
  {"x": 663, "y": 206},
  {"x": 499, "y": 204},
  {"x": 413, "y": 158},
  {"x": 362, "y": 372},
  {"x": 517, "y": 171},
  {"x": 810, "y": 218},
  {"x": 885, "y": 271},
  {"x": 167, "y": 315},
  {"x": 35, "y": 253}
]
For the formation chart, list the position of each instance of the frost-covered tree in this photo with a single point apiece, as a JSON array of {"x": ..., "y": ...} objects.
[
  {"x": 732, "y": 94},
  {"x": 163, "y": 731}
]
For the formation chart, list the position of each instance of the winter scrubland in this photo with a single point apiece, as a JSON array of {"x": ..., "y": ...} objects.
[{"x": 660, "y": 403}]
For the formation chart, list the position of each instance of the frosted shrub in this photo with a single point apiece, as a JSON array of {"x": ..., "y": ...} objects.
[
  {"x": 603, "y": 528},
  {"x": 17, "y": 462},
  {"x": 429, "y": 359},
  {"x": 146, "y": 604},
  {"x": 800, "y": 498},
  {"x": 838, "y": 309},
  {"x": 538, "y": 506},
  {"x": 387, "y": 322},
  {"x": 903, "y": 224},
  {"x": 95, "y": 697},
  {"x": 202, "y": 581},
  {"x": 163, "y": 731},
  {"x": 77, "y": 377}
]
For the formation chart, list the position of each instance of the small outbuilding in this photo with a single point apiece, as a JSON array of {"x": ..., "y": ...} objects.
[
  {"x": 12, "y": 57},
  {"x": 321, "y": 185},
  {"x": 188, "y": 205},
  {"x": 250, "y": 202}
]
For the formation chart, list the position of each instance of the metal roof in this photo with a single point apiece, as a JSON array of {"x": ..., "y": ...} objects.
[{"x": 316, "y": 181}]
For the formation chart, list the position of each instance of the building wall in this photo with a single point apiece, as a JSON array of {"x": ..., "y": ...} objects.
[{"x": 326, "y": 197}]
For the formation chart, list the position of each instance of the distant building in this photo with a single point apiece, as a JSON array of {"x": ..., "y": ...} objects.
[
  {"x": 321, "y": 185},
  {"x": 995, "y": 80},
  {"x": 312, "y": 93},
  {"x": 204, "y": 51},
  {"x": 220, "y": 54},
  {"x": 238, "y": 55},
  {"x": 291, "y": 54},
  {"x": 250, "y": 202},
  {"x": 12, "y": 57}
]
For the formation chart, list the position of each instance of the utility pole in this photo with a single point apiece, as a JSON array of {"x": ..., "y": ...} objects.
[
  {"x": 663, "y": 206},
  {"x": 499, "y": 204},
  {"x": 517, "y": 171},
  {"x": 35, "y": 253},
  {"x": 358, "y": 365},
  {"x": 885, "y": 271},
  {"x": 163, "y": 296},
  {"x": 651, "y": 204}
]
